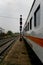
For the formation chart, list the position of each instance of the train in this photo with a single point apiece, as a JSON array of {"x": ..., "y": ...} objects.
[{"x": 33, "y": 28}]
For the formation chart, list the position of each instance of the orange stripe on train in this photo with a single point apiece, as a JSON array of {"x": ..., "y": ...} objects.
[{"x": 39, "y": 41}]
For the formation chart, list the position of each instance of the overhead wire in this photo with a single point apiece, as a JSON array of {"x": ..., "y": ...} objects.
[{"x": 10, "y": 17}]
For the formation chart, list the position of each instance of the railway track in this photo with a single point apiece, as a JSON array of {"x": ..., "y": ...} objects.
[
  {"x": 5, "y": 41},
  {"x": 5, "y": 46}
]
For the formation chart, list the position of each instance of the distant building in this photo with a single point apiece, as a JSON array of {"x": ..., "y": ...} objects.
[{"x": 2, "y": 30}]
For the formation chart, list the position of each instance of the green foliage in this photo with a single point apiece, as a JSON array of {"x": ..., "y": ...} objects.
[{"x": 9, "y": 33}]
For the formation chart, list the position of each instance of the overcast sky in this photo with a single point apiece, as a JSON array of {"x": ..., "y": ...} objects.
[{"x": 10, "y": 11}]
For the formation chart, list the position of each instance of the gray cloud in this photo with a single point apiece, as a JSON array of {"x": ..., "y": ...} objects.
[{"x": 10, "y": 11}]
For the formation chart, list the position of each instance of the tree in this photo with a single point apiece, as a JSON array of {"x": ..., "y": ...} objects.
[{"x": 10, "y": 33}]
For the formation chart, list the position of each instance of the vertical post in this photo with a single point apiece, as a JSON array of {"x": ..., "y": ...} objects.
[{"x": 20, "y": 27}]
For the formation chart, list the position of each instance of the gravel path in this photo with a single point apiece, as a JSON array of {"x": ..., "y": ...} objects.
[{"x": 17, "y": 55}]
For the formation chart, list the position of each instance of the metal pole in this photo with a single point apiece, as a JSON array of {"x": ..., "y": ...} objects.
[{"x": 20, "y": 27}]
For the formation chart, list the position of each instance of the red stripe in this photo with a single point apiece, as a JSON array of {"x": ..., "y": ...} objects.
[{"x": 39, "y": 41}]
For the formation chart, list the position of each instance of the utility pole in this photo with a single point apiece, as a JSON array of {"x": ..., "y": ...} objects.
[{"x": 20, "y": 27}]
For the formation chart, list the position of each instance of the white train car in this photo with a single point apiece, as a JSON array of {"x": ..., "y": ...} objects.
[{"x": 33, "y": 28}]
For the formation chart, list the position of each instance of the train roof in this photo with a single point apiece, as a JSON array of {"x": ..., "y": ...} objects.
[
  {"x": 29, "y": 12},
  {"x": 31, "y": 9}
]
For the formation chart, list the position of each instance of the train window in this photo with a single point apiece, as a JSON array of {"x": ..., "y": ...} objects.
[
  {"x": 28, "y": 26},
  {"x": 31, "y": 23},
  {"x": 37, "y": 17},
  {"x": 25, "y": 28}
]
